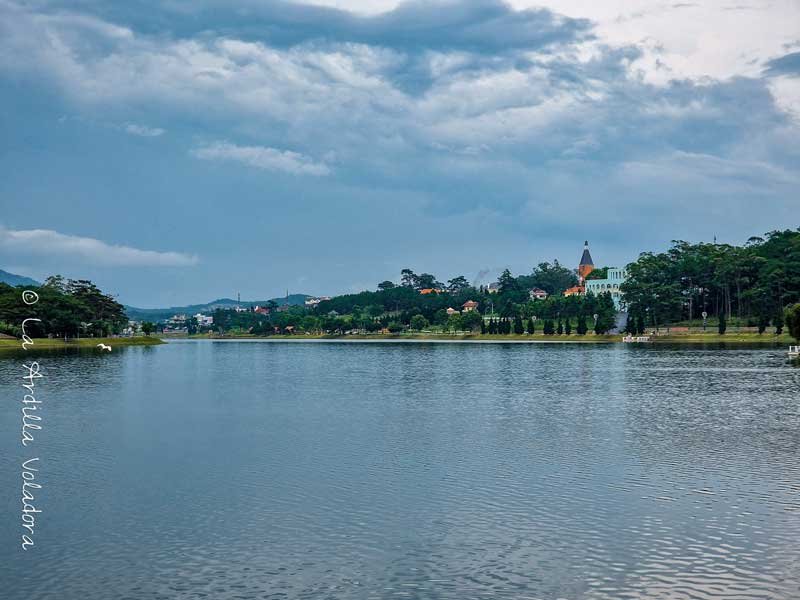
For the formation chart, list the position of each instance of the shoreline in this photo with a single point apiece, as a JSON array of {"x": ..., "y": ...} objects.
[
  {"x": 765, "y": 340},
  {"x": 694, "y": 339}
]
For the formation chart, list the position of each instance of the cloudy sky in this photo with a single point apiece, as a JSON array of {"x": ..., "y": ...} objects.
[{"x": 181, "y": 151}]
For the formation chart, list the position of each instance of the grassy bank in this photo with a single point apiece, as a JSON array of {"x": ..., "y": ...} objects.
[
  {"x": 708, "y": 338},
  {"x": 54, "y": 343}
]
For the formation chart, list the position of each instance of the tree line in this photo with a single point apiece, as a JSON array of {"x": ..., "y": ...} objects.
[
  {"x": 421, "y": 302},
  {"x": 753, "y": 283},
  {"x": 66, "y": 308}
]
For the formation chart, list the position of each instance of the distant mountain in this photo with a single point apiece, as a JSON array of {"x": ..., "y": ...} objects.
[
  {"x": 161, "y": 314},
  {"x": 12, "y": 279}
]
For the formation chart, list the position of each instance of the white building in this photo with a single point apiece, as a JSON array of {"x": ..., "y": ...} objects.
[
  {"x": 204, "y": 320},
  {"x": 611, "y": 283},
  {"x": 312, "y": 302}
]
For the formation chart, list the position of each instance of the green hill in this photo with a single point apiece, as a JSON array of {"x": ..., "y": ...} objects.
[
  {"x": 161, "y": 314},
  {"x": 15, "y": 280}
]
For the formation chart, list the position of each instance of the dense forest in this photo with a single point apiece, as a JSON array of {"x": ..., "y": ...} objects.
[
  {"x": 753, "y": 283},
  {"x": 66, "y": 308}
]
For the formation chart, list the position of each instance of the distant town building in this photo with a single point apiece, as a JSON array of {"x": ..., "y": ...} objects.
[
  {"x": 261, "y": 310},
  {"x": 313, "y": 302},
  {"x": 611, "y": 283},
  {"x": 537, "y": 294},
  {"x": 469, "y": 305},
  {"x": 427, "y": 291},
  {"x": 493, "y": 288},
  {"x": 451, "y": 311},
  {"x": 204, "y": 320}
]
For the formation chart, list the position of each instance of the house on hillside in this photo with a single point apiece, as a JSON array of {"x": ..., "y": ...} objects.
[
  {"x": 469, "y": 305},
  {"x": 427, "y": 291},
  {"x": 537, "y": 294},
  {"x": 493, "y": 288},
  {"x": 451, "y": 311}
]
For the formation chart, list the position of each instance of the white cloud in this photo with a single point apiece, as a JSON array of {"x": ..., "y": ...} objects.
[
  {"x": 60, "y": 246},
  {"x": 693, "y": 40},
  {"x": 143, "y": 130},
  {"x": 262, "y": 157}
]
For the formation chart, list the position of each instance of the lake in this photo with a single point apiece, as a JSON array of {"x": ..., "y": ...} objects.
[{"x": 235, "y": 470}]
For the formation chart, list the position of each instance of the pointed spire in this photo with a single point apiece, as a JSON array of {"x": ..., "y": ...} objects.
[{"x": 586, "y": 258}]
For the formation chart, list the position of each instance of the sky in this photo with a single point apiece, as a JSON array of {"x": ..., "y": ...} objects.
[{"x": 177, "y": 152}]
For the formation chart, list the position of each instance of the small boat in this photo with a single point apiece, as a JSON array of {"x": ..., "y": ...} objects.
[
  {"x": 630, "y": 339},
  {"x": 794, "y": 351}
]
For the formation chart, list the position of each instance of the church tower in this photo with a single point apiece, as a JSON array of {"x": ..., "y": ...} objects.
[{"x": 586, "y": 265}]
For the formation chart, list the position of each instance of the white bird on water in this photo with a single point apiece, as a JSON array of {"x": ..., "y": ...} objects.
[{"x": 104, "y": 347}]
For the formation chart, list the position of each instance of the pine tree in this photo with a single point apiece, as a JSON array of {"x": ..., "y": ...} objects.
[
  {"x": 630, "y": 324},
  {"x": 567, "y": 327},
  {"x": 483, "y": 327},
  {"x": 777, "y": 321},
  {"x": 548, "y": 327},
  {"x": 763, "y": 322},
  {"x": 723, "y": 325},
  {"x": 582, "y": 329},
  {"x": 519, "y": 328},
  {"x": 560, "y": 329},
  {"x": 531, "y": 326}
]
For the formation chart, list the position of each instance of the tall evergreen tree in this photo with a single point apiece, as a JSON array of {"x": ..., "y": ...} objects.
[
  {"x": 582, "y": 329},
  {"x": 640, "y": 325},
  {"x": 567, "y": 327},
  {"x": 531, "y": 327},
  {"x": 777, "y": 321},
  {"x": 630, "y": 324},
  {"x": 723, "y": 325},
  {"x": 560, "y": 328},
  {"x": 792, "y": 316},
  {"x": 548, "y": 327},
  {"x": 519, "y": 328}
]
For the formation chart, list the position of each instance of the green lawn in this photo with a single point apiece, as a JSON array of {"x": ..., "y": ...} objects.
[{"x": 48, "y": 343}]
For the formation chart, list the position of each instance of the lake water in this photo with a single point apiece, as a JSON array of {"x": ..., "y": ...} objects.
[{"x": 235, "y": 470}]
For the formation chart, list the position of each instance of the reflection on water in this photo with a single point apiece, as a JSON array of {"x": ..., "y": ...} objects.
[{"x": 270, "y": 470}]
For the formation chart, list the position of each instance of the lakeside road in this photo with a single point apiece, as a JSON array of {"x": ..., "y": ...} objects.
[{"x": 56, "y": 343}]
